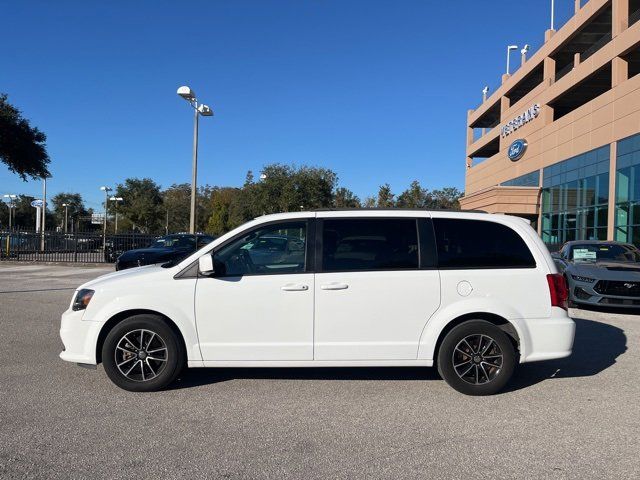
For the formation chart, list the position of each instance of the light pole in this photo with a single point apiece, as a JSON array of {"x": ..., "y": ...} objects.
[
  {"x": 116, "y": 199},
  {"x": 552, "y": 13},
  {"x": 524, "y": 52},
  {"x": 66, "y": 217},
  {"x": 198, "y": 109},
  {"x": 106, "y": 191},
  {"x": 509, "y": 49},
  {"x": 43, "y": 225},
  {"x": 11, "y": 206}
]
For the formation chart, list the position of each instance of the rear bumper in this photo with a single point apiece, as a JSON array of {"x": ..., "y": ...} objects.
[{"x": 546, "y": 338}]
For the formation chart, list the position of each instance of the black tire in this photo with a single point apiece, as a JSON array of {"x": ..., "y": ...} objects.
[
  {"x": 121, "y": 350},
  {"x": 490, "y": 372}
]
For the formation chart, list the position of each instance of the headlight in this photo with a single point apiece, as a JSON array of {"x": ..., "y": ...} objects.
[
  {"x": 583, "y": 279},
  {"x": 82, "y": 299}
]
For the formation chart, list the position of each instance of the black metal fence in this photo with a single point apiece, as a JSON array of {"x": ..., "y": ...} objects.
[{"x": 83, "y": 247}]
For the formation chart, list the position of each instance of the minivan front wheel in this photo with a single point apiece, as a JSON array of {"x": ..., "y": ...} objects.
[
  {"x": 476, "y": 358},
  {"x": 142, "y": 354}
]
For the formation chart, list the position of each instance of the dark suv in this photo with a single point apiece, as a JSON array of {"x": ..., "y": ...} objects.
[{"x": 163, "y": 249}]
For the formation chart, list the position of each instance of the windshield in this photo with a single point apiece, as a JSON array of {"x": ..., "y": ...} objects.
[
  {"x": 174, "y": 242},
  {"x": 592, "y": 253}
]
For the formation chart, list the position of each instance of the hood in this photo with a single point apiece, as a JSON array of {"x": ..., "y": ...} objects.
[
  {"x": 134, "y": 274},
  {"x": 141, "y": 253},
  {"x": 607, "y": 270}
]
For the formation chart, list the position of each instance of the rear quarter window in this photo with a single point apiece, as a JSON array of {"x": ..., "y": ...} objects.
[{"x": 479, "y": 244}]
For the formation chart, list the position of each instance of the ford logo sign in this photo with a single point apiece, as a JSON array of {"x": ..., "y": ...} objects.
[{"x": 517, "y": 149}]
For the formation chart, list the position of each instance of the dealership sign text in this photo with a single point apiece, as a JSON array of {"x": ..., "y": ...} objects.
[{"x": 521, "y": 120}]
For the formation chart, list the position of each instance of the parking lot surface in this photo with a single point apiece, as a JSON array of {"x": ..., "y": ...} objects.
[{"x": 574, "y": 418}]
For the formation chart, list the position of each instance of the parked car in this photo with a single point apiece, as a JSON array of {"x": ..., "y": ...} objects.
[
  {"x": 601, "y": 273},
  {"x": 118, "y": 244},
  {"x": 473, "y": 294},
  {"x": 163, "y": 249},
  {"x": 11, "y": 244}
]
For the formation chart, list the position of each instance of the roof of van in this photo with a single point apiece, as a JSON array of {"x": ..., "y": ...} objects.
[{"x": 376, "y": 209}]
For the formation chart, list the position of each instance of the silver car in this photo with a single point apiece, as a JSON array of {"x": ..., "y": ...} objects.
[{"x": 601, "y": 273}]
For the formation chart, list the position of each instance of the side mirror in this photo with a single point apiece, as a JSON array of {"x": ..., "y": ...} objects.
[
  {"x": 205, "y": 265},
  {"x": 556, "y": 255}
]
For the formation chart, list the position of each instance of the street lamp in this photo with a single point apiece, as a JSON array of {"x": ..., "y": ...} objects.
[
  {"x": 509, "y": 49},
  {"x": 116, "y": 199},
  {"x": 66, "y": 221},
  {"x": 198, "y": 109},
  {"x": 524, "y": 52},
  {"x": 106, "y": 191},
  {"x": 11, "y": 205}
]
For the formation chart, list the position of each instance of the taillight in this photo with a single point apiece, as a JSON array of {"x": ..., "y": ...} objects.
[{"x": 558, "y": 290}]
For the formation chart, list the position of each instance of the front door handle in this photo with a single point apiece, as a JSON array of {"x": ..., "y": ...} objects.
[
  {"x": 295, "y": 288},
  {"x": 334, "y": 286}
]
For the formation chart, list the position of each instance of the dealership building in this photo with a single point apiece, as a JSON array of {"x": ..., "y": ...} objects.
[{"x": 559, "y": 141}]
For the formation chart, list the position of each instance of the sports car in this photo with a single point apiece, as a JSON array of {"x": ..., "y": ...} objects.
[{"x": 602, "y": 273}]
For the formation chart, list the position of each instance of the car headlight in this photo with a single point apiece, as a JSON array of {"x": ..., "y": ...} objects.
[
  {"x": 583, "y": 279},
  {"x": 82, "y": 299}
]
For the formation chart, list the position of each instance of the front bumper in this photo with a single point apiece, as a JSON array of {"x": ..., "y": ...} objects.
[
  {"x": 583, "y": 293},
  {"x": 79, "y": 338},
  {"x": 546, "y": 338}
]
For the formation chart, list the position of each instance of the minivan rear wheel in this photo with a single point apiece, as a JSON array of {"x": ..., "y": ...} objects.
[
  {"x": 476, "y": 358},
  {"x": 142, "y": 354}
]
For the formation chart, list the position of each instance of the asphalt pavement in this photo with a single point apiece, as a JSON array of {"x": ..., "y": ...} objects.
[{"x": 573, "y": 418}]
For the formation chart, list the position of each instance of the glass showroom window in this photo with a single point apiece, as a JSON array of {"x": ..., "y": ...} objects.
[
  {"x": 628, "y": 191},
  {"x": 528, "y": 180},
  {"x": 575, "y": 195}
]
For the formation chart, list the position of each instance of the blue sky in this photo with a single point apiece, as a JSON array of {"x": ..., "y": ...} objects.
[{"x": 376, "y": 90}]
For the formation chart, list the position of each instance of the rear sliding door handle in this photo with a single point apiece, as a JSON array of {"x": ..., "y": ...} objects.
[
  {"x": 295, "y": 288},
  {"x": 334, "y": 286}
]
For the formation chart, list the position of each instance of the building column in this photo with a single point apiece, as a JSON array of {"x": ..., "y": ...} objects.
[
  {"x": 577, "y": 6},
  {"x": 620, "y": 16},
  {"x": 540, "y": 202},
  {"x": 611, "y": 213},
  {"x": 549, "y": 69},
  {"x": 619, "y": 71}
]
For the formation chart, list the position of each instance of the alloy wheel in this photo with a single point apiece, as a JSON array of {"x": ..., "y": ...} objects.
[
  {"x": 477, "y": 359},
  {"x": 141, "y": 355}
]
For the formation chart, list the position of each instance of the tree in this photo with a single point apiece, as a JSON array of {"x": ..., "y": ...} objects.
[
  {"x": 75, "y": 208},
  {"x": 142, "y": 204},
  {"x": 414, "y": 197},
  {"x": 447, "y": 198},
  {"x": 24, "y": 213},
  {"x": 289, "y": 189},
  {"x": 369, "y": 202},
  {"x": 385, "y": 197},
  {"x": 345, "y": 198},
  {"x": 222, "y": 201},
  {"x": 22, "y": 147},
  {"x": 177, "y": 203}
]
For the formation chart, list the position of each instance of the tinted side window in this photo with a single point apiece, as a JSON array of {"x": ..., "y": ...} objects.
[
  {"x": 275, "y": 248},
  {"x": 479, "y": 244},
  {"x": 371, "y": 244}
]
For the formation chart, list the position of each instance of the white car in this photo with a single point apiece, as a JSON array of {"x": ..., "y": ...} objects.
[{"x": 471, "y": 293}]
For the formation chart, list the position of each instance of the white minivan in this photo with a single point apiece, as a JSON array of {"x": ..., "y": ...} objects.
[{"x": 471, "y": 293}]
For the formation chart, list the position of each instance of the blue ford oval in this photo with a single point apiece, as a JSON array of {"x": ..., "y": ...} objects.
[{"x": 517, "y": 149}]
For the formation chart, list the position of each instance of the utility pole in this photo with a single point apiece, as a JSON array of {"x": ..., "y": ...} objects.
[
  {"x": 43, "y": 217},
  {"x": 106, "y": 191},
  {"x": 66, "y": 217}
]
